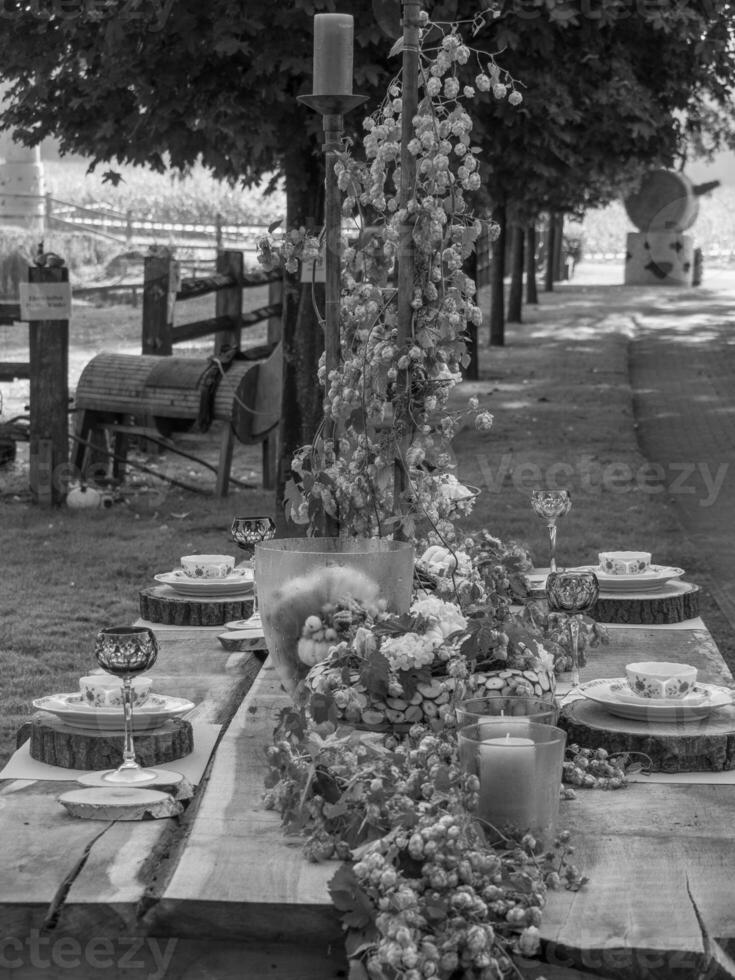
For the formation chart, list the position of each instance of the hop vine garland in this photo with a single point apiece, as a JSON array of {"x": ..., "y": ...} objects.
[{"x": 379, "y": 420}]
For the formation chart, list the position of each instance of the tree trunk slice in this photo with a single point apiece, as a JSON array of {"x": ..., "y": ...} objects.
[
  {"x": 649, "y": 610},
  {"x": 120, "y": 803},
  {"x": 58, "y": 744},
  {"x": 160, "y": 604},
  {"x": 695, "y": 746}
]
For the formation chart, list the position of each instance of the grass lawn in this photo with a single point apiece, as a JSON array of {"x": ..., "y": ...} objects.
[{"x": 563, "y": 414}]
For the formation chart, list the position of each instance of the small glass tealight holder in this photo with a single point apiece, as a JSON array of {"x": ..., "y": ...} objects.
[{"x": 518, "y": 765}]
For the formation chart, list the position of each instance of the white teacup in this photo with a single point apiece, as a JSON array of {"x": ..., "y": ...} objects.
[
  {"x": 207, "y": 566},
  {"x": 105, "y": 691},
  {"x": 624, "y": 562},
  {"x": 650, "y": 679}
]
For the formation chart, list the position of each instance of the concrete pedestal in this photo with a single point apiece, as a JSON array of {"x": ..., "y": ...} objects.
[{"x": 659, "y": 258}]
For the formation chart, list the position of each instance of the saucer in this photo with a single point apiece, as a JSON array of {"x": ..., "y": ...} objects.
[
  {"x": 239, "y": 581},
  {"x": 607, "y": 693},
  {"x": 653, "y": 578},
  {"x": 155, "y": 711}
]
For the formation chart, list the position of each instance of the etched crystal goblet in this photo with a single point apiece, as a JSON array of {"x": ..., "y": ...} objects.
[
  {"x": 550, "y": 505},
  {"x": 246, "y": 533},
  {"x": 572, "y": 592}
]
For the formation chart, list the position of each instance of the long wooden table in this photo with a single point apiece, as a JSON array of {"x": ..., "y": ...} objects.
[{"x": 220, "y": 893}]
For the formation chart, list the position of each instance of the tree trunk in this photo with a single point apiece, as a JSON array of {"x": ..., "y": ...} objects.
[
  {"x": 303, "y": 336},
  {"x": 472, "y": 371},
  {"x": 559, "y": 248},
  {"x": 515, "y": 296},
  {"x": 550, "y": 253},
  {"x": 497, "y": 275},
  {"x": 531, "y": 288}
]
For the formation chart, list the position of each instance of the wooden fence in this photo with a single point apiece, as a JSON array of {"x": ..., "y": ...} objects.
[
  {"x": 163, "y": 288},
  {"x": 48, "y": 372}
]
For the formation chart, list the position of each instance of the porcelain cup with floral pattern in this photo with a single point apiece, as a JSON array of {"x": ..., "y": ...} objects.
[
  {"x": 102, "y": 691},
  {"x": 207, "y": 566},
  {"x": 624, "y": 562},
  {"x": 661, "y": 681}
]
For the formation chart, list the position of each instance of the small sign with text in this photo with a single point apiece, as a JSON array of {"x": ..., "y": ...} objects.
[{"x": 45, "y": 300}]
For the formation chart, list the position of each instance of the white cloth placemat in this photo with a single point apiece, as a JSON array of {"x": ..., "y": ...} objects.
[
  {"x": 22, "y": 766},
  {"x": 687, "y": 624}
]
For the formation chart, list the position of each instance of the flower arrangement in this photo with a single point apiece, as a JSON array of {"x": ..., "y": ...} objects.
[{"x": 389, "y": 396}]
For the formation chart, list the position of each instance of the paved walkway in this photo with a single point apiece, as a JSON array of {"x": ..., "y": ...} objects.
[{"x": 682, "y": 368}]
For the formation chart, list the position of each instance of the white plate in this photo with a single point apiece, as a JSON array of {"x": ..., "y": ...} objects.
[
  {"x": 239, "y": 581},
  {"x": 607, "y": 693},
  {"x": 648, "y": 581},
  {"x": 73, "y": 710}
]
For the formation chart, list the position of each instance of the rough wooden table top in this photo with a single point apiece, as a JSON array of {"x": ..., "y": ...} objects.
[{"x": 221, "y": 893}]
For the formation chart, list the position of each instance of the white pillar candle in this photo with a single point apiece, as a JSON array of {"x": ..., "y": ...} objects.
[
  {"x": 508, "y": 781},
  {"x": 333, "y": 54}
]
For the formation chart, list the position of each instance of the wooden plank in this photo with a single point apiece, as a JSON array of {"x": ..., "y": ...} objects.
[
  {"x": 229, "y": 302},
  {"x": 159, "y": 289},
  {"x": 42, "y": 845},
  {"x": 642, "y": 850},
  {"x": 49, "y": 388},
  {"x": 10, "y": 370},
  {"x": 238, "y": 877},
  {"x": 630, "y": 645},
  {"x": 252, "y": 317},
  {"x": 201, "y": 328},
  {"x": 192, "y": 288}
]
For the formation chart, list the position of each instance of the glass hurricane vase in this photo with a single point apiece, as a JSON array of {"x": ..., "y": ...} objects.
[{"x": 298, "y": 577}]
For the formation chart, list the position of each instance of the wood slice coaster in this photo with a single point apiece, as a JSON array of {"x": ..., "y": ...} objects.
[
  {"x": 160, "y": 604},
  {"x": 58, "y": 744},
  {"x": 673, "y": 605},
  {"x": 120, "y": 804},
  {"x": 693, "y": 746}
]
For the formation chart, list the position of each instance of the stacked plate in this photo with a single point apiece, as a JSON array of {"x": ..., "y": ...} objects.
[
  {"x": 238, "y": 582},
  {"x": 618, "y": 698},
  {"x": 73, "y": 710},
  {"x": 653, "y": 579}
]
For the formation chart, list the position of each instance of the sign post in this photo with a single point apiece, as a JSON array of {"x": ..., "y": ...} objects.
[{"x": 47, "y": 295}]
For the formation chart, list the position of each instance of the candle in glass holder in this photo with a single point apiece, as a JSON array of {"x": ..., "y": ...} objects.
[
  {"x": 333, "y": 54},
  {"x": 507, "y": 772}
]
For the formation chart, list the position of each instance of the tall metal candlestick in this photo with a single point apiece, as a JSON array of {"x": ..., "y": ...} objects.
[
  {"x": 409, "y": 94},
  {"x": 332, "y": 109}
]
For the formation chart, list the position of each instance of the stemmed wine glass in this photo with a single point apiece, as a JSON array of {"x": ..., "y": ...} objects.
[
  {"x": 127, "y": 651},
  {"x": 247, "y": 532},
  {"x": 572, "y": 592},
  {"x": 550, "y": 505}
]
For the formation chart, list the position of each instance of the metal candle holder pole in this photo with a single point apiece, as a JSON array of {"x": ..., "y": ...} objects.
[
  {"x": 332, "y": 109},
  {"x": 411, "y": 35}
]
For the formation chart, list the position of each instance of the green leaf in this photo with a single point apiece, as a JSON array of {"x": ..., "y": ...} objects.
[
  {"x": 357, "y": 910},
  {"x": 410, "y": 680},
  {"x": 375, "y": 674}
]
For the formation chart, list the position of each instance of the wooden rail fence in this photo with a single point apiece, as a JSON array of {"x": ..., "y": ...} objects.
[{"x": 48, "y": 372}]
